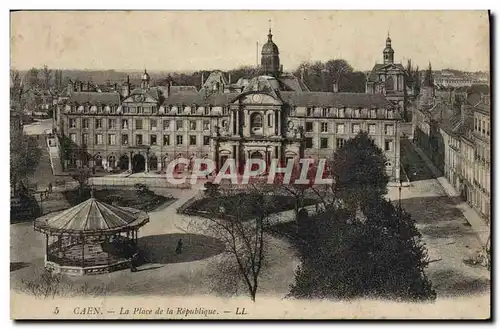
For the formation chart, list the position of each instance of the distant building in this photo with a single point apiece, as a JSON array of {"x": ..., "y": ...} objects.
[{"x": 271, "y": 116}]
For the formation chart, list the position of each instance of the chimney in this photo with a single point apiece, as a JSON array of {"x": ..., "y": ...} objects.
[
  {"x": 281, "y": 68},
  {"x": 229, "y": 78},
  {"x": 335, "y": 87}
]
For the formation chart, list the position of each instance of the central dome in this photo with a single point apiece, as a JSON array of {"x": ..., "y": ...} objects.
[{"x": 270, "y": 48}]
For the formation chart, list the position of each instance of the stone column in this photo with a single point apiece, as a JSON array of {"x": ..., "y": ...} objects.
[
  {"x": 130, "y": 162},
  {"x": 279, "y": 123},
  {"x": 146, "y": 163},
  {"x": 231, "y": 122},
  {"x": 237, "y": 122}
]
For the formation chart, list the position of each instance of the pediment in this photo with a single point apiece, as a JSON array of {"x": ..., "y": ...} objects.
[
  {"x": 257, "y": 99},
  {"x": 139, "y": 98}
]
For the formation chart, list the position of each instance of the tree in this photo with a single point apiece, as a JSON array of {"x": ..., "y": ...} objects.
[
  {"x": 358, "y": 169},
  {"x": 81, "y": 175},
  {"x": 47, "y": 76},
  {"x": 380, "y": 254},
  {"x": 240, "y": 220},
  {"x": 24, "y": 158},
  {"x": 32, "y": 79}
]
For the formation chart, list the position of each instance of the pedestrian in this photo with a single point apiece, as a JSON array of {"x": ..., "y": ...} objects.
[
  {"x": 50, "y": 187},
  {"x": 178, "y": 250},
  {"x": 133, "y": 259}
]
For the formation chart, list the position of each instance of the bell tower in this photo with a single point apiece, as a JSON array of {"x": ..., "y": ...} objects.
[
  {"x": 388, "y": 51},
  {"x": 270, "y": 59}
]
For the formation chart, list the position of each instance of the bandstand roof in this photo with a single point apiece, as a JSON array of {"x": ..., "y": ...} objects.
[{"x": 92, "y": 217}]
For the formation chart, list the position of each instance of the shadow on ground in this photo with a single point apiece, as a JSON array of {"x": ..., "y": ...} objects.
[
  {"x": 161, "y": 249},
  {"x": 450, "y": 283},
  {"x": 14, "y": 266}
]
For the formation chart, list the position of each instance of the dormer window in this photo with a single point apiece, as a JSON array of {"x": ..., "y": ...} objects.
[
  {"x": 179, "y": 110},
  {"x": 341, "y": 112},
  {"x": 140, "y": 110},
  {"x": 154, "y": 110},
  {"x": 206, "y": 110},
  {"x": 112, "y": 109},
  {"x": 309, "y": 112},
  {"x": 193, "y": 109},
  {"x": 356, "y": 113}
]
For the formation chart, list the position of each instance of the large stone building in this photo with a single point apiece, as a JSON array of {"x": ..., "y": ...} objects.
[{"x": 272, "y": 116}]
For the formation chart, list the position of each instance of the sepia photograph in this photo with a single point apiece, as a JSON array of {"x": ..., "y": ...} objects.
[{"x": 250, "y": 164}]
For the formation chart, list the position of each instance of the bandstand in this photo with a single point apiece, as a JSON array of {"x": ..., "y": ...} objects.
[{"x": 91, "y": 238}]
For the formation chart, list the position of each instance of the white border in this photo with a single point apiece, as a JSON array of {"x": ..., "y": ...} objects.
[{"x": 185, "y": 4}]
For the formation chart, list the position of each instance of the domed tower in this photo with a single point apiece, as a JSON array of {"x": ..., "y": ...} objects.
[
  {"x": 388, "y": 51},
  {"x": 270, "y": 60},
  {"x": 145, "y": 80}
]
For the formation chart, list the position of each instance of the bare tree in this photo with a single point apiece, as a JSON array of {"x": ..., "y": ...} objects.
[
  {"x": 240, "y": 220},
  {"x": 47, "y": 76}
]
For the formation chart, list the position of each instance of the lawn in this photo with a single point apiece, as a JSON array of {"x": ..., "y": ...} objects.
[
  {"x": 143, "y": 199},
  {"x": 278, "y": 203}
]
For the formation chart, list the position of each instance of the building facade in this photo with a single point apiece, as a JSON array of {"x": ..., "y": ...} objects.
[
  {"x": 273, "y": 116},
  {"x": 467, "y": 163}
]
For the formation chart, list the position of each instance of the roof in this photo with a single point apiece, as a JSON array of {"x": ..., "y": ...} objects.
[
  {"x": 94, "y": 97},
  {"x": 379, "y": 67},
  {"x": 457, "y": 125},
  {"x": 90, "y": 217},
  {"x": 183, "y": 89},
  {"x": 216, "y": 99},
  {"x": 292, "y": 83},
  {"x": 335, "y": 99}
]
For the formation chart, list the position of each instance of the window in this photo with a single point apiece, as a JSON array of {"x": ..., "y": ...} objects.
[
  {"x": 112, "y": 109},
  {"x": 85, "y": 139},
  {"x": 166, "y": 139},
  {"x": 256, "y": 123},
  {"x": 140, "y": 110},
  {"x": 98, "y": 139},
  {"x": 225, "y": 111},
  {"x": 389, "y": 129},
  {"x": 126, "y": 109},
  {"x": 154, "y": 110},
  {"x": 98, "y": 123},
  {"x": 179, "y": 124},
  {"x": 388, "y": 145},
  {"x": 85, "y": 123},
  {"x": 206, "y": 140},
  {"x": 340, "y": 128},
  {"x": 270, "y": 120},
  {"x": 99, "y": 109},
  {"x": 112, "y": 123},
  {"x": 356, "y": 113},
  {"x": 340, "y": 143},
  {"x": 324, "y": 127},
  {"x": 72, "y": 136},
  {"x": 192, "y": 125},
  {"x": 309, "y": 127},
  {"x": 152, "y": 124},
  {"x": 152, "y": 140},
  {"x": 179, "y": 139},
  {"x": 355, "y": 128},
  {"x": 309, "y": 142},
  {"x": 85, "y": 109},
  {"x": 206, "y": 111},
  {"x": 341, "y": 113},
  {"x": 193, "y": 109},
  {"x": 124, "y": 124},
  {"x": 138, "y": 124},
  {"x": 125, "y": 139},
  {"x": 192, "y": 140},
  {"x": 323, "y": 143},
  {"x": 325, "y": 112},
  {"x": 309, "y": 111},
  {"x": 373, "y": 113},
  {"x": 166, "y": 124},
  {"x": 390, "y": 114},
  {"x": 138, "y": 139},
  {"x": 111, "y": 139},
  {"x": 206, "y": 125},
  {"x": 72, "y": 123},
  {"x": 372, "y": 129},
  {"x": 179, "y": 110}
]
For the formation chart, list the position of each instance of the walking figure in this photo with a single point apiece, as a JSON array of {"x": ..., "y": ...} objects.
[
  {"x": 50, "y": 187},
  {"x": 133, "y": 260},
  {"x": 178, "y": 250}
]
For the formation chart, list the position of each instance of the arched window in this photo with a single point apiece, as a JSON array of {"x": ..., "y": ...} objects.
[
  {"x": 256, "y": 120},
  {"x": 389, "y": 83},
  {"x": 256, "y": 123}
]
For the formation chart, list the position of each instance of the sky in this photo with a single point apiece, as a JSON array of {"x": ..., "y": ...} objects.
[{"x": 194, "y": 40}]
